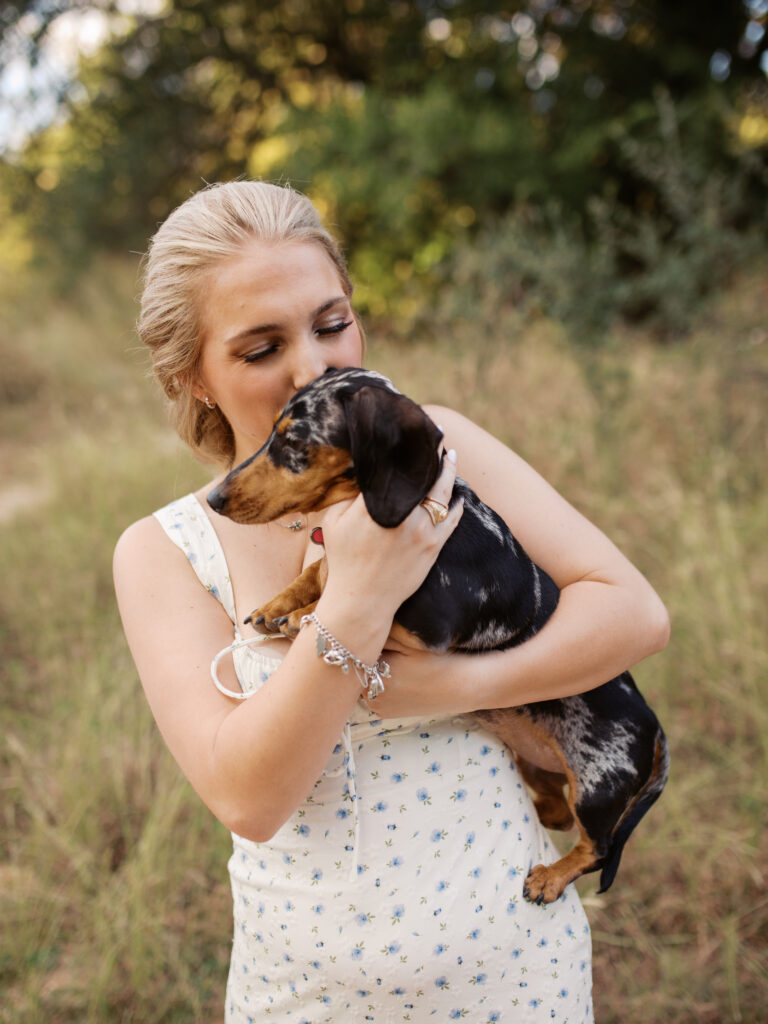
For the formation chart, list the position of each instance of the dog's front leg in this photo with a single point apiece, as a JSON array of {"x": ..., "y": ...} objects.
[{"x": 284, "y": 612}]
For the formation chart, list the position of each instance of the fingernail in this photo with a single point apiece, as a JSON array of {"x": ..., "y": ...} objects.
[{"x": 452, "y": 455}]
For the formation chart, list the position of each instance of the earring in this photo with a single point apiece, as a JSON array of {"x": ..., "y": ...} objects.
[{"x": 208, "y": 403}]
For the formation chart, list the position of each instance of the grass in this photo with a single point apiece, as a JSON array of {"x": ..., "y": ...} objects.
[{"x": 113, "y": 888}]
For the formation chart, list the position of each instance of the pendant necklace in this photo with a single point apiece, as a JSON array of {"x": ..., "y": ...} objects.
[{"x": 294, "y": 526}]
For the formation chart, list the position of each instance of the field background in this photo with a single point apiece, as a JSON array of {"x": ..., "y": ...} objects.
[
  {"x": 113, "y": 889},
  {"x": 556, "y": 215}
]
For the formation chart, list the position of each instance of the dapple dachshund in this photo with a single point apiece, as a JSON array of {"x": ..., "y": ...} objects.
[{"x": 351, "y": 431}]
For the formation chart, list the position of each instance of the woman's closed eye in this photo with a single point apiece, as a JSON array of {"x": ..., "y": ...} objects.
[
  {"x": 262, "y": 353},
  {"x": 336, "y": 328},
  {"x": 331, "y": 331}
]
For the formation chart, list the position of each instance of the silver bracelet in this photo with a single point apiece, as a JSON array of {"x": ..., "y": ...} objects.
[{"x": 332, "y": 652}]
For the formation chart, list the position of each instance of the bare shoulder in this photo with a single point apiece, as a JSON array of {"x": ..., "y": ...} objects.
[
  {"x": 154, "y": 579},
  {"x": 460, "y": 429},
  {"x": 482, "y": 458},
  {"x": 449, "y": 419},
  {"x": 137, "y": 536},
  {"x": 144, "y": 548}
]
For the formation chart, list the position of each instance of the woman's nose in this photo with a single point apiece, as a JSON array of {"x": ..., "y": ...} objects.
[{"x": 308, "y": 362}]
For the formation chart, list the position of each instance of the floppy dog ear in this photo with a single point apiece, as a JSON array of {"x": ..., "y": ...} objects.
[{"x": 394, "y": 452}]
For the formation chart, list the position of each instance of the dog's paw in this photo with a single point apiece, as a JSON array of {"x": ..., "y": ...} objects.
[
  {"x": 260, "y": 623},
  {"x": 542, "y": 885},
  {"x": 289, "y": 627},
  {"x": 274, "y": 613}
]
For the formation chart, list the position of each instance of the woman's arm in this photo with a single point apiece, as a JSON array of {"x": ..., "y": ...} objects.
[
  {"x": 253, "y": 763},
  {"x": 608, "y": 617}
]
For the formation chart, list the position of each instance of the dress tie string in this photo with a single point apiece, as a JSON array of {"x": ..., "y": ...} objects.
[{"x": 349, "y": 768}]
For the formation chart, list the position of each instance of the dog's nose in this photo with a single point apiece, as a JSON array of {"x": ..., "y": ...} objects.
[{"x": 217, "y": 499}]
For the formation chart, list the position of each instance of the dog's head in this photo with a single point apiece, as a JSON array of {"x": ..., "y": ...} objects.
[{"x": 345, "y": 432}]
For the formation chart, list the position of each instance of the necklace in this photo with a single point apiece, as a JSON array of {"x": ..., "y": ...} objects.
[{"x": 294, "y": 526}]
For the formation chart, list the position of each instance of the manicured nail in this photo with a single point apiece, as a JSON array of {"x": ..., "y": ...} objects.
[{"x": 452, "y": 455}]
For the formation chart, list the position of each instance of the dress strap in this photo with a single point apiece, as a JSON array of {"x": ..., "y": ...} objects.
[{"x": 186, "y": 523}]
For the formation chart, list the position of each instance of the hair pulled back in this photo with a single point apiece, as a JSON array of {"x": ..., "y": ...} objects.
[{"x": 211, "y": 226}]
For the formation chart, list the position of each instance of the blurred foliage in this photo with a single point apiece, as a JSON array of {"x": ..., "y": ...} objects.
[
  {"x": 411, "y": 124},
  {"x": 656, "y": 263}
]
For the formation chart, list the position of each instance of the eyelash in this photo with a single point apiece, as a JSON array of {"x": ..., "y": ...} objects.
[
  {"x": 254, "y": 357},
  {"x": 335, "y": 329},
  {"x": 322, "y": 332}
]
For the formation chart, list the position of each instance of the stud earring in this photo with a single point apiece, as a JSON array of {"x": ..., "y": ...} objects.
[{"x": 208, "y": 403}]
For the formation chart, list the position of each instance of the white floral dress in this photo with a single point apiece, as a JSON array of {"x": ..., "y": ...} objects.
[{"x": 394, "y": 893}]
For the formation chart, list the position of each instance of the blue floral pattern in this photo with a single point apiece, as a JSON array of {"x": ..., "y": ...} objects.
[{"x": 394, "y": 893}]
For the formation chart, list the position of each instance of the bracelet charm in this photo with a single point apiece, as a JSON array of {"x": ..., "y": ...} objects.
[{"x": 371, "y": 677}]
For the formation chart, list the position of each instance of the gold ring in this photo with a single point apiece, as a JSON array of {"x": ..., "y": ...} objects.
[{"x": 436, "y": 510}]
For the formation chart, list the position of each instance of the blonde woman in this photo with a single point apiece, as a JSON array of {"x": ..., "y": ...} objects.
[{"x": 379, "y": 848}]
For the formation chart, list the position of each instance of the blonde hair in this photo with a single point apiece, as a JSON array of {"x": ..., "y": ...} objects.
[{"x": 212, "y": 225}]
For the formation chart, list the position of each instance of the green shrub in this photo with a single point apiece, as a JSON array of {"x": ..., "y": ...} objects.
[{"x": 617, "y": 263}]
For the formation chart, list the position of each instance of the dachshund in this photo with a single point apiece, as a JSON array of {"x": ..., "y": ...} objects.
[{"x": 349, "y": 431}]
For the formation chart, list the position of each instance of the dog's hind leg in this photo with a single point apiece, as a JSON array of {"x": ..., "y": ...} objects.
[
  {"x": 549, "y": 799},
  {"x": 546, "y": 882}
]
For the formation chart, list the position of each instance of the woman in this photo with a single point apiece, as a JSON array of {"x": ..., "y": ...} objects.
[{"x": 379, "y": 847}]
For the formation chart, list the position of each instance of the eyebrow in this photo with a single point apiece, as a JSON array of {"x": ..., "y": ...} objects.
[{"x": 268, "y": 328}]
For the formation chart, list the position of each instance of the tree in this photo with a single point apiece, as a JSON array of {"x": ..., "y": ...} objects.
[{"x": 408, "y": 122}]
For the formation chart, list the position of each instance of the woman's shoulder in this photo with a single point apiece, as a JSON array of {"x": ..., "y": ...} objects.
[
  {"x": 480, "y": 455},
  {"x": 143, "y": 543},
  {"x": 459, "y": 430},
  {"x": 440, "y": 413},
  {"x": 147, "y": 541}
]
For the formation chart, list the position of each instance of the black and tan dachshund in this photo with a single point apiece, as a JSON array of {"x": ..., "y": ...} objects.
[{"x": 351, "y": 431}]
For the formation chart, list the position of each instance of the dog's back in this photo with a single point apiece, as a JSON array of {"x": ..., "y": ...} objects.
[{"x": 484, "y": 592}]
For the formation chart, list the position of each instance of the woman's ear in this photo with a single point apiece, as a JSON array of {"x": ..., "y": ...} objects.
[
  {"x": 394, "y": 452},
  {"x": 198, "y": 391}
]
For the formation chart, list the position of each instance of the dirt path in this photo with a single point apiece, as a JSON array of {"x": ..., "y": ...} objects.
[{"x": 15, "y": 498}]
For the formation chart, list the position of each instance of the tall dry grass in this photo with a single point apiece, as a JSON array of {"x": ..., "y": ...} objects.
[{"x": 114, "y": 900}]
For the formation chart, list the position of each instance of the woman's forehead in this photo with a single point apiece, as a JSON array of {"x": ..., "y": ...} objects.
[
  {"x": 266, "y": 282},
  {"x": 271, "y": 263}
]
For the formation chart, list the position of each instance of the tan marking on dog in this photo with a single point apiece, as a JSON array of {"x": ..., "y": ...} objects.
[
  {"x": 304, "y": 590},
  {"x": 545, "y": 883},
  {"x": 549, "y": 798},
  {"x": 524, "y": 737},
  {"x": 262, "y": 492},
  {"x": 401, "y": 639},
  {"x": 296, "y": 601}
]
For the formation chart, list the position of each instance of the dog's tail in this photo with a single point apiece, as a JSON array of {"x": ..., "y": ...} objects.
[{"x": 640, "y": 805}]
